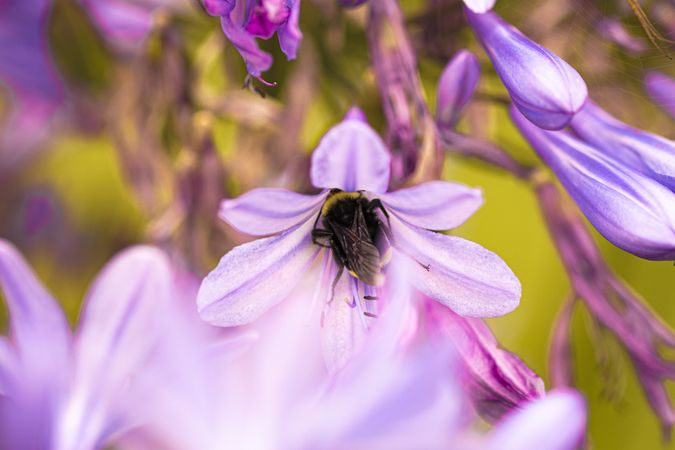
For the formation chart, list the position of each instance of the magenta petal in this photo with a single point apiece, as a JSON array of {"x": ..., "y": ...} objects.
[
  {"x": 435, "y": 205},
  {"x": 253, "y": 277},
  {"x": 661, "y": 88},
  {"x": 269, "y": 210},
  {"x": 546, "y": 89},
  {"x": 462, "y": 275},
  {"x": 120, "y": 327},
  {"x": 219, "y": 7},
  {"x": 351, "y": 157},
  {"x": 555, "y": 422},
  {"x": 257, "y": 61},
  {"x": 289, "y": 34},
  {"x": 456, "y": 86}
]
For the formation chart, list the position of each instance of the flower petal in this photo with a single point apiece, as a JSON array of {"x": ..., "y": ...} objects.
[
  {"x": 456, "y": 86},
  {"x": 546, "y": 89},
  {"x": 253, "y": 277},
  {"x": 257, "y": 61},
  {"x": 479, "y": 6},
  {"x": 555, "y": 422},
  {"x": 7, "y": 365},
  {"x": 122, "y": 22},
  {"x": 269, "y": 210},
  {"x": 435, "y": 205},
  {"x": 351, "y": 157},
  {"x": 497, "y": 380},
  {"x": 649, "y": 154},
  {"x": 290, "y": 34},
  {"x": 120, "y": 326},
  {"x": 630, "y": 210},
  {"x": 661, "y": 88},
  {"x": 462, "y": 275}
]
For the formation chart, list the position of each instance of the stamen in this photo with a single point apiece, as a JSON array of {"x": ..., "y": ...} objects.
[{"x": 369, "y": 314}]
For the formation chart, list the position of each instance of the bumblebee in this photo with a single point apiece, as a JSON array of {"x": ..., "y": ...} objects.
[{"x": 352, "y": 229}]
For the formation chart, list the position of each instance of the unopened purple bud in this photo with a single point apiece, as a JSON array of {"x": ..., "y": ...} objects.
[
  {"x": 479, "y": 6},
  {"x": 661, "y": 88},
  {"x": 647, "y": 153},
  {"x": 546, "y": 89},
  {"x": 456, "y": 86},
  {"x": 632, "y": 211}
]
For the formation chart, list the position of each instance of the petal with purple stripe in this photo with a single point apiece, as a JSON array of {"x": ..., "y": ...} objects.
[
  {"x": 460, "y": 274},
  {"x": 351, "y": 157},
  {"x": 435, "y": 205},
  {"x": 269, "y": 210},
  {"x": 255, "y": 276}
]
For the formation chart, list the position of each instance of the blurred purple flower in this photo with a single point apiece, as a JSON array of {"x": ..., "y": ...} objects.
[
  {"x": 351, "y": 157},
  {"x": 74, "y": 392},
  {"x": 615, "y": 31},
  {"x": 647, "y": 153},
  {"x": 661, "y": 88},
  {"x": 546, "y": 89},
  {"x": 456, "y": 86},
  {"x": 496, "y": 380},
  {"x": 27, "y": 69},
  {"x": 245, "y": 20},
  {"x": 631, "y": 210},
  {"x": 125, "y": 23}
]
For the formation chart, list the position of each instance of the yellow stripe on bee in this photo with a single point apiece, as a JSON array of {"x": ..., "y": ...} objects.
[{"x": 333, "y": 199}]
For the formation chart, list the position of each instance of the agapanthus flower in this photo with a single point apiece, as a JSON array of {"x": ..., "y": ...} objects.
[
  {"x": 125, "y": 23},
  {"x": 245, "y": 20},
  {"x": 27, "y": 69},
  {"x": 661, "y": 88},
  {"x": 495, "y": 380},
  {"x": 61, "y": 391},
  {"x": 647, "y": 153},
  {"x": 456, "y": 87},
  {"x": 631, "y": 210},
  {"x": 351, "y": 227},
  {"x": 546, "y": 89}
]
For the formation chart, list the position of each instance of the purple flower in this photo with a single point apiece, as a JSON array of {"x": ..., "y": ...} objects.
[
  {"x": 63, "y": 391},
  {"x": 352, "y": 164},
  {"x": 631, "y": 210},
  {"x": 456, "y": 86},
  {"x": 125, "y": 23},
  {"x": 245, "y": 20},
  {"x": 496, "y": 380},
  {"x": 26, "y": 68},
  {"x": 546, "y": 89},
  {"x": 647, "y": 153},
  {"x": 661, "y": 88}
]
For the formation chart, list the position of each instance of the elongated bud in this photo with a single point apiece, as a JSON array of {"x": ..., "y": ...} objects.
[
  {"x": 456, "y": 86},
  {"x": 479, "y": 6},
  {"x": 546, "y": 89},
  {"x": 632, "y": 211},
  {"x": 662, "y": 89},
  {"x": 647, "y": 153}
]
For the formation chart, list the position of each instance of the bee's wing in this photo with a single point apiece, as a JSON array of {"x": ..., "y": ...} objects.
[{"x": 363, "y": 258}]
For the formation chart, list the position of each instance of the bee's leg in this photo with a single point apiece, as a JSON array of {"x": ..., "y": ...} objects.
[
  {"x": 376, "y": 203},
  {"x": 319, "y": 237}
]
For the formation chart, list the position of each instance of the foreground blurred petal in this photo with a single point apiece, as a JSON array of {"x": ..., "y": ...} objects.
[
  {"x": 460, "y": 274},
  {"x": 661, "y": 88},
  {"x": 649, "y": 154},
  {"x": 555, "y": 422},
  {"x": 253, "y": 277},
  {"x": 546, "y": 89},
  {"x": 42, "y": 339},
  {"x": 630, "y": 210},
  {"x": 119, "y": 328},
  {"x": 456, "y": 86},
  {"x": 351, "y": 156},
  {"x": 268, "y": 210},
  {"x": 436, "y": 205}
]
